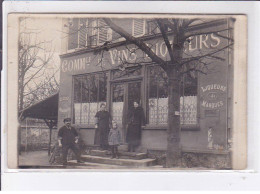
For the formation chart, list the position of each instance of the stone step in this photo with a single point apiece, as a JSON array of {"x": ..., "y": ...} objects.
[
  {"x": 121, "y": 162},
  {"x": 123, "y": 155},
  {"x": 91, "y": 165}
]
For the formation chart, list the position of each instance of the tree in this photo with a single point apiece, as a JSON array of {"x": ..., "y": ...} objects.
[
  {"x": 176, "y": 34},
  {"x": 37, "y": 74}
]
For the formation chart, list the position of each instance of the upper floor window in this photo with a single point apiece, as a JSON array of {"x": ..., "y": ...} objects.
[
  {"x": 152, "y": 27},
  {"x": 87, "y": 32}
]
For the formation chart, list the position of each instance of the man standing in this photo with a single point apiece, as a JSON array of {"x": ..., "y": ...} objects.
[{"x": 68, "y": 138}]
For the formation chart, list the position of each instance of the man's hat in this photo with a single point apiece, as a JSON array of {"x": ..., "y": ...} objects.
[{"x": 66, "y": 120}]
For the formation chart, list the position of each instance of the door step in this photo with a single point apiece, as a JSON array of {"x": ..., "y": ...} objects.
[
  {"x": 121, "y": 162},
  {"x": 91, "y": 165},
  {"x": 122, "y": 155}
]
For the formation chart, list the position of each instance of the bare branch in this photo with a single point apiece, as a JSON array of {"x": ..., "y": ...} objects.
[
  {"x": 202, "y": 56},
  {"x": 166, "y": 40}
]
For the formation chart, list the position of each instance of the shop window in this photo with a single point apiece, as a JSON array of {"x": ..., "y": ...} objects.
[
  {"x": 89, "y": 93},
  {"x": 158, "y": 98}
]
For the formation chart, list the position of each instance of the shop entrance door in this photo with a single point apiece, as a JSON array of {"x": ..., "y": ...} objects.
[{"x": 123, "y": 96}]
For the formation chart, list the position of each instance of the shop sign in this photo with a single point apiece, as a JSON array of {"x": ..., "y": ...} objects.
[
  {"x": 132, "y": 54},
  {"x": 212, "y": 96},
  {"x": 64, "y": 106}
]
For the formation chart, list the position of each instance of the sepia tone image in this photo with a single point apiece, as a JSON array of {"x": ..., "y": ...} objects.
[{"x": 114, "y": 91}]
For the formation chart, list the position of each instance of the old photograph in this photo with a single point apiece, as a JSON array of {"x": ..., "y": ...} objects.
[{"x": 129, "y": 91}]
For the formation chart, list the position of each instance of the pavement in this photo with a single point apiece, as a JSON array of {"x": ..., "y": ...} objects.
[
  {"x": 34, "y": 158},
  {"x": 39, "y": 159}
]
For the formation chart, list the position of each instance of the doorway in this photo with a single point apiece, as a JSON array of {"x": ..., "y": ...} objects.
[{"x": 123, "y": 96}]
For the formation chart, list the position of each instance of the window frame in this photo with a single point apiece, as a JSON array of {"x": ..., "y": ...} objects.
[
  {"x": 184, "y": 127},
  {"x": 86, "y": 125}
]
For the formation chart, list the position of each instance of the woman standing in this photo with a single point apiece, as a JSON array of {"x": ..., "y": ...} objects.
[
  {"x": 136, "y": 119},
  {"x": 103, "y": 121}
]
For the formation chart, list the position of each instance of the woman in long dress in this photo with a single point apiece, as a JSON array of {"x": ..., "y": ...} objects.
[
  {"x": 136, "y": 120},
  {"x": 103, "y": 122}
]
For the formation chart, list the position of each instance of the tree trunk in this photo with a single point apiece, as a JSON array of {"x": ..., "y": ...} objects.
[{"x": 173, "y": 142}]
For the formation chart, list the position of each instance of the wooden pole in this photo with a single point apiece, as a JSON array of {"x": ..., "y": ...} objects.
[
  {"x": 50, "y": 126},
  {"x": 26, "y": 136}
]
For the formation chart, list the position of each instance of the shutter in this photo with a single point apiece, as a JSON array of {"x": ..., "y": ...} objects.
[
  {"x": 102, "y": 31},
  {"x": 73, "y": 34},
  {"x": 138, "y": 27},
  {"x": 83, "y": 24}
]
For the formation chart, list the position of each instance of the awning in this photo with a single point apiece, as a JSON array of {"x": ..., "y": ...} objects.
[{"x": 46, "y": 109}]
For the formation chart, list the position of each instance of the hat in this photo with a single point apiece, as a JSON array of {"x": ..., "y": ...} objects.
[{"x": 66, "y": 120}]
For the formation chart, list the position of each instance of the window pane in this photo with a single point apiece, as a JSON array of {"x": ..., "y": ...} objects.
[
  {"x": 77, "y": 112},
  {"x": 189, "y": 82},
  {"x": 93, "y": 87},
  {"x": 118, "y": 102},
  {"x": 188, "y": 103},
  {"x": 93, "y": 33},
  {"x": 83, "y": 32},
  {"x": 85, "y": 113},
  {"x": 102, "y": 94},
  {"x": 93, "y": 108},
  {"x": 85, "y": 89},
  {"x": 134, "y": 93},
  {"x": 158, "y": 96},
  {"x": 188, "y": 113},
  {"x": 152, "y": 27},
  {"x": 77, "y": 89}
]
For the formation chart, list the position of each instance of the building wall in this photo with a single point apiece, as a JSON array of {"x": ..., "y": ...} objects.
[{"x": 211, "y": 131}]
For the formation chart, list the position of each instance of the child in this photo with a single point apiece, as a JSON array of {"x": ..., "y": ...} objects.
[{"x": 114, "y": 138}]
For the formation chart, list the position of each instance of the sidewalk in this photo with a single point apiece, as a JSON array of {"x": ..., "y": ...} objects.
[
  {"x": 39, "y": 159},
  {"x": 34, "y": 158}
]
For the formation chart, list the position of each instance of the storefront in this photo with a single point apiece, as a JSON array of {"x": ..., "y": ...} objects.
[{"x": 123, "y": 74}]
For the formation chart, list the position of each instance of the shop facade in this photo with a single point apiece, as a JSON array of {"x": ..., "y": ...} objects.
[{"x": 121, "y": 73}]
